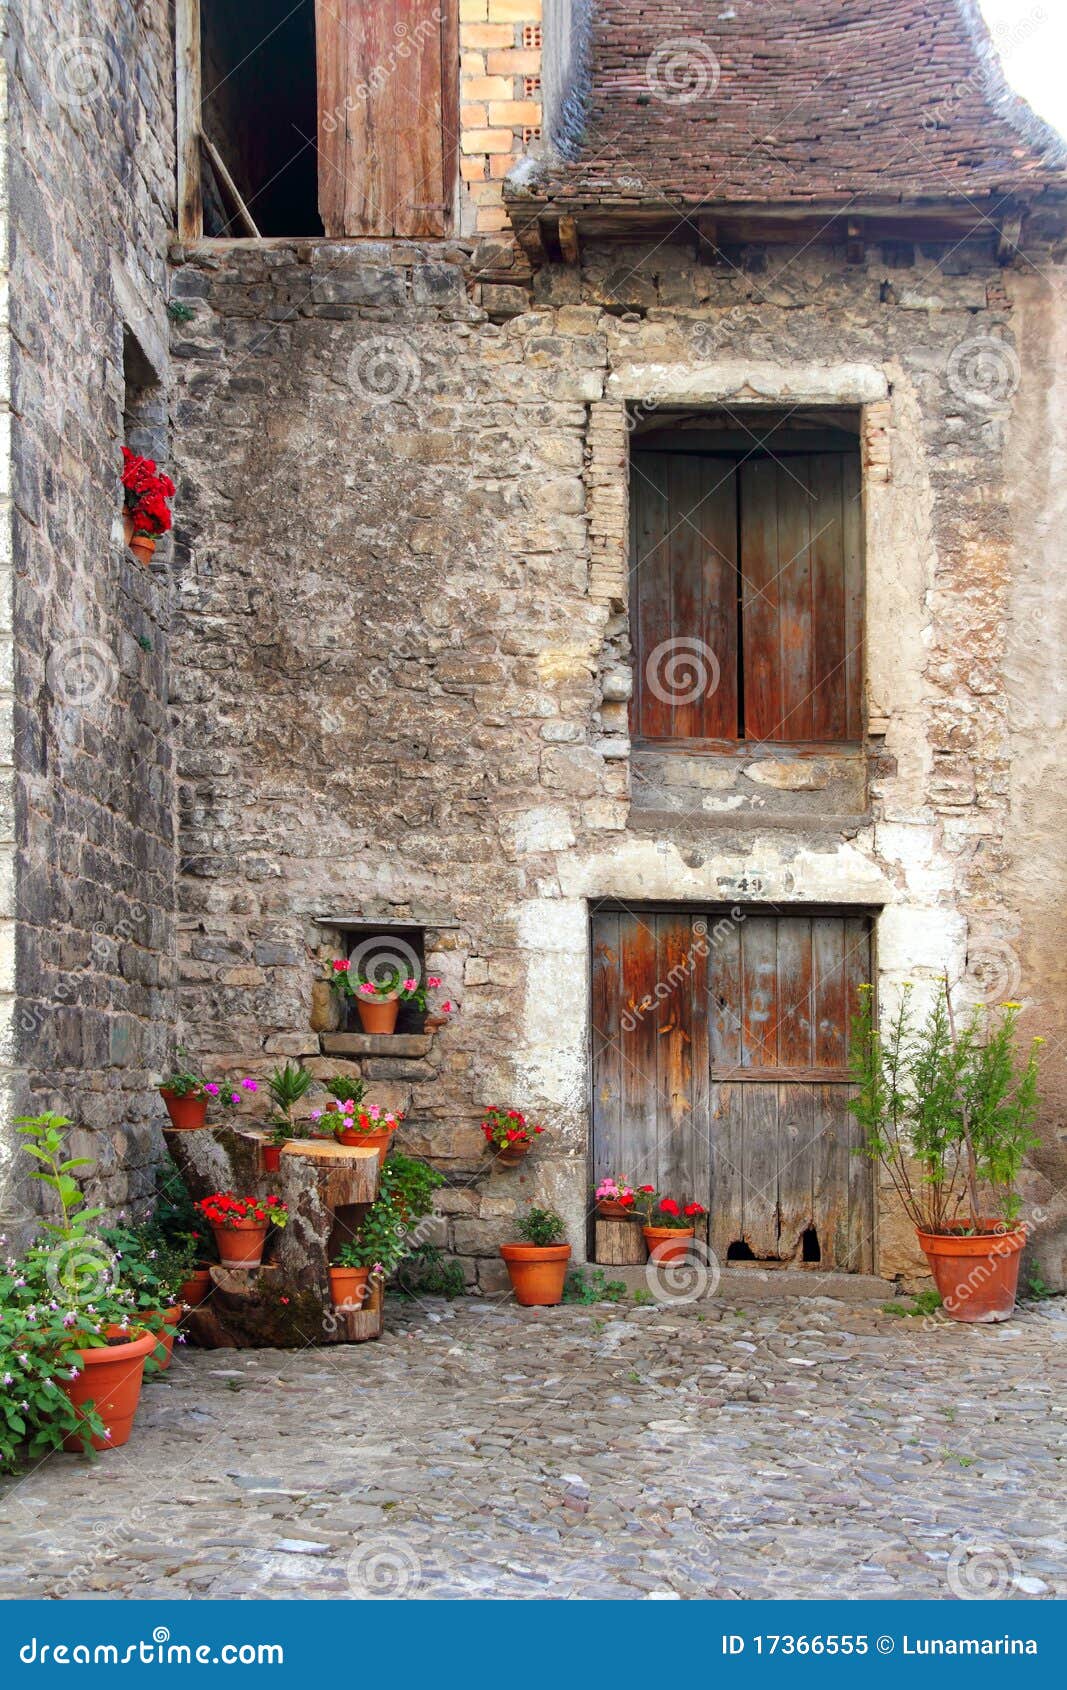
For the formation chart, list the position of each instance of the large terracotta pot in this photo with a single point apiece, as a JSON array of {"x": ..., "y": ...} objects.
[
  {"x": 142, "y": 546},
  {"x": 668, "y": 1243},
  {"x": 368, "y": 1141},
  {"x": 976, "y": 1276},
  {"x": 196, "y": 1287},
  {"x": 241, "y": 1245},
  {"x": 110, "y": 1378},
  {"x": 349, "y": 1285},
  {"x": 608, "y": 1209},
  {"x": 170, "y": 1318},
  {"x": 537, "y": 1272},
  {"x": 378, "y": 1015},
  {"x": 184, "y": 1112}
]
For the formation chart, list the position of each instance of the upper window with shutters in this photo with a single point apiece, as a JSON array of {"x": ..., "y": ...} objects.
[
  {"x": 323, "y": 117},
  {"x": 746, "y": 581}
]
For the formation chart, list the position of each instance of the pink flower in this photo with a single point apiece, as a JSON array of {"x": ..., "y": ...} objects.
[
  {"x": 340, "y": 966},
  {"x": 348, "y": 1107},
  {"x": 410, "y": 985},
  {"x": 249, "y": 1085},
  {"x": 212, "y": 1089},
  {"x": 374, "y": 1111},
  {"x": 446, "y": 1009},
  {"x": 316, "y": 1114},
  {"x": 433, "y": 981},
  {"x": 367, "y": 989}
]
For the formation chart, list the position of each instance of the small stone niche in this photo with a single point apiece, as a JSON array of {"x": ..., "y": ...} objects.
[{"x": 376, "y": 950}]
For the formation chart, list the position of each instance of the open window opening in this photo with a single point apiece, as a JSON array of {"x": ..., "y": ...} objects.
[
  {"x": 746, "y": 578},
  {"x": 385, "y": 955},
  {"x": 312, "y": 117},
  {"x": 144, "y": 410},
  {"x": 258, "y": 116}
]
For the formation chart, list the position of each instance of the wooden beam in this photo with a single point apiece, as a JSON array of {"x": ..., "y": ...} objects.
[
  {"x": 569, "y": 244},
  {"x": 856, "y": 246},
  {"x": 230, "y": 185},
  {"x": 188, "y": 96}
]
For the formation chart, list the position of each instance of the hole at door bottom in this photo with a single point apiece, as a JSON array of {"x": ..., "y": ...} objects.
[
  {"x": 809, "y": 1246},
  {"x": 739, "y": 1251}
]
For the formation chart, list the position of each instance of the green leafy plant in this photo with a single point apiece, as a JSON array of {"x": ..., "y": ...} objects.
[
  {"x": 345, "y": 1090},
  {"x": 923, "y": 1303},
  {"x": 182, "y": 1081},
  {"x": 947, "y": 1109},
  {"x": 428, "y": 1272},
  {"x": 43, "y": 1137},
  {"x": 542, "y": 1227},
  {"x": 379, "y": 1243},
  {"x": 287, "y": 1086},
  {"x": 1036, "y": 1287},
  {"x": 178, "y": 312},
  {"x": 582, "y": 1287},
  {"x": 643, "y": 1297},
  {"x": 409, "y": 1184}
]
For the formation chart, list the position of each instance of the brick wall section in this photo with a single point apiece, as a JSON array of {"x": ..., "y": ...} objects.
[
  {"x": 403, "y": 654},
  {"x": 90, "y": 157},
  {"x": 500, "y": 102}
]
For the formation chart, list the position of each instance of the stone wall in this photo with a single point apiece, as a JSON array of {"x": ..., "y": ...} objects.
[
  {"x": 402, "y": 648},
  {"x": 89, "y": 157}
]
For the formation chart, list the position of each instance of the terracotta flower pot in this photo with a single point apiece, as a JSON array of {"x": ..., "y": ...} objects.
[
  {"x": 127, "y": 525},
  {"x": 196, "y": 1287},
  {"x": 367, "y": 1141},
  {"x": 171, "y": 1318},
  {"x": 668, "y": 1243},
  {"x": 349, "y": 1285},
  {"x": 110, "y": 1378},
  {"x": 510, "y": 1154},
  {"x": 537, "y": 1272},
  {"x": 272, "y": 1158},
  {"x": 378, "y": 1015},
  {"x": 241, "y": 1245},
  {"x": 976, "y": 1276},
  {"x": 142, "y": 546},
  {"x": 184, "y": 1112},
  {"x": 609, "y": 1210}
]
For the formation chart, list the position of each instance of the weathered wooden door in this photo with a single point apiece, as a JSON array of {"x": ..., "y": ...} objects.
[
  {"x": 388, "y": 76},
  {"x": 720, "y": 1075}
]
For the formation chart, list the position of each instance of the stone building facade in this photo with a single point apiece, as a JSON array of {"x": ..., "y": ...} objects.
[{"x": 387, "y": 700}]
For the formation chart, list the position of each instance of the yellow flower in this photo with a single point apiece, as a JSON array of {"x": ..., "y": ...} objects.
[
  {"x": 1038, "y": 1041},
  {"x": 1010, "y": 1005}
]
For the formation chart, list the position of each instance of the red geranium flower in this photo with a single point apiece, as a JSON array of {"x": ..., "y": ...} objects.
[{"x": 670, "y": 1207}]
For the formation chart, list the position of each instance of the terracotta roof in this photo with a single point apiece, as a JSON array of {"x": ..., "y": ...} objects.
[{"x": 791, "y": 101}]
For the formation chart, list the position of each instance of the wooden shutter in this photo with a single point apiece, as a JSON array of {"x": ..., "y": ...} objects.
[
  {"x": 801, "y": 598},
  {"x": 388, "y": 90},
  {"x": 683, "y": 588}
]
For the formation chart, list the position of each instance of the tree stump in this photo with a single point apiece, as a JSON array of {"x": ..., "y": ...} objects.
[
  {"x": 620, "y": 1244},
  {"x": 286, "y": 1302}
]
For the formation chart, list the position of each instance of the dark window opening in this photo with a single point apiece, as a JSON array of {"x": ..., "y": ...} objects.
[
  {"x": 259, "y": 114},
  {"x": 144, "y": 410},
  {"x": 380, "y": 954},
  {"x": 746, "y": 578}
]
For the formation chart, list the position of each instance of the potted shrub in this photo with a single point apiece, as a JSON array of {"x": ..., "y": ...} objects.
[
  {"x": 948, "y": 1111},
  {"x": 91, "y": 1339},
  {"x": 145, "y": 511},
  {"x": 154, "y": 1272},
  {"x": 373, "y": 1252},
  {"x": 279, "y": 1135},
  {"x": 668, "y": 1226},
  {"x": 180, "y": 1230},
  {"x": 378, "y": 1001},
  {"x": 537, "y": 1266},
  {"x": 615, "y": 1200},
  {"x": 507, "y": 1134},
  {"x": 343, "y": 1090},
  {"x": 410, "y": 1184},
  {"x": 240, "y": 1225}
]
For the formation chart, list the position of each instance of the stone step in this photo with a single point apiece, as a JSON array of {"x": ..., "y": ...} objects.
[{"x": 376, "y": 1044}]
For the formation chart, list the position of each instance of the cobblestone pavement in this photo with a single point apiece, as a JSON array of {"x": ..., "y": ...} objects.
[{"x": 788, "y": 1449}]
